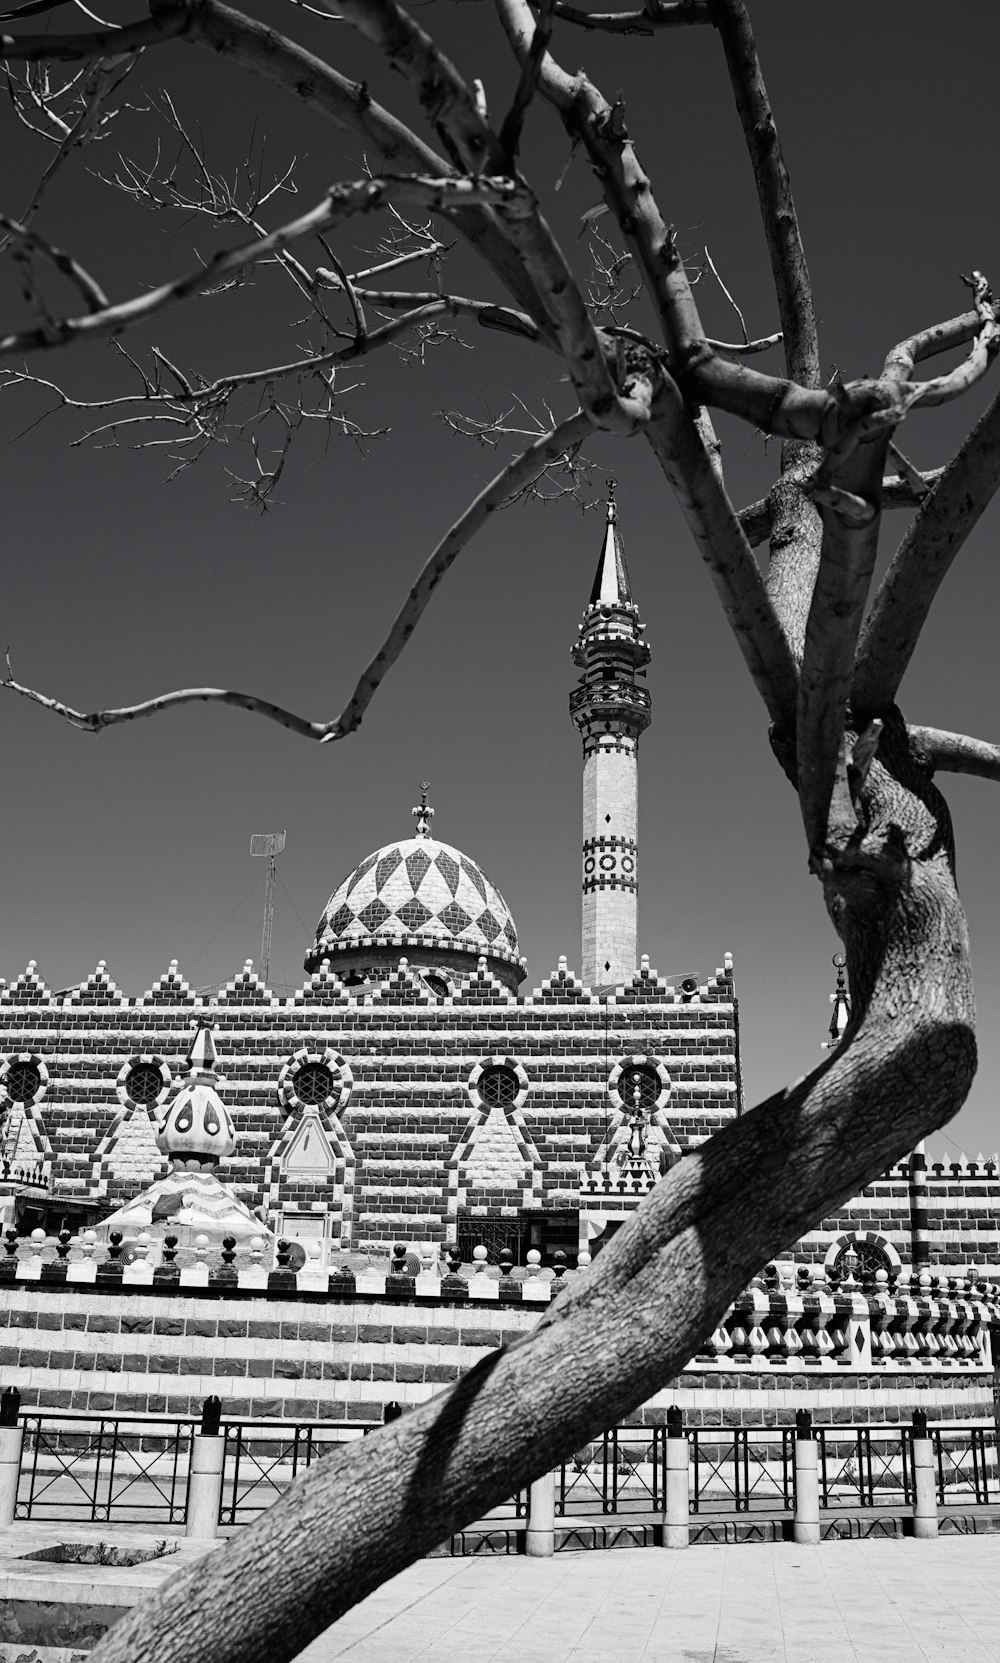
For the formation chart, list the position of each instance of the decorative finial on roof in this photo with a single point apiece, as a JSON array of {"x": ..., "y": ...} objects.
[
  {"x": 840, "y": 999},
  {"x": 421, "y": 813},
  {"x": 611, "y": 585},
  {"x": 612, "y": 505}
]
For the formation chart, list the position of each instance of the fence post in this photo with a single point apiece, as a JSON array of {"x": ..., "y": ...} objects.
[
  {"x": 805, "y": 1526},
  {"x": 204, "y": 1491},
  {"x": 11, "y": 1440},
  {"x": 925, "y": 1515},
  {"x": 540, "y": 1536},
  {"x": 677, "y": 1517}
]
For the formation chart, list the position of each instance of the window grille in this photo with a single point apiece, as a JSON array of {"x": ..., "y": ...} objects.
[
  {"x": 643, "y": 1078},
  {"x": 23, "y": 1082},
  {"x": 313, "y": 1083},
  {"x": 498, "y": 1086},
  {"x": 143, "y": 1083},
  {"x": 871, "y": 1259}
]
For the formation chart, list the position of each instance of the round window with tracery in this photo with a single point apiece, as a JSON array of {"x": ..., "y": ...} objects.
[
  {"x": 498, "y": 1086},
  {"x": 22, "y": 1082},
  {"x": 144, "y": 1083},
  {"x": 639, "y": 1086},
  {"x": 312, "y": 1083},
  {"x": 870, "y": 1260}
]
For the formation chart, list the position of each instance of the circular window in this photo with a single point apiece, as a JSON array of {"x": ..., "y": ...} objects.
[
  {"x": 871, "y": 1259},
  {"x": 437, "y": 983},
  {"x": 498, "y": 1086},
  {"x": 639, "y": 1086},
  {"x": 313, "y": 1083},
  {"x": 23, "y": 1082},
  {"x": 144, "y": 1083}
]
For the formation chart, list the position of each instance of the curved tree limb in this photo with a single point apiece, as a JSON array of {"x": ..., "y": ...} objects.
[
  {"x": 349, "y": 104},
  {"x": 659, "y": 14},
  {"x": 945, "y": 519},
  {"x": 840, "y": 592},
  {"x": 451, "y": 105},
  {"x": 511, "y": 479},
  {"x": 774, "y": 193},
  {"x": 341, "y": 201},
  {"x": 628, "y": 1324},
  {"x": 101, "y": 43},
  {"x": 955, "y": 753},
  {"x": 756, "y": 517},
  {"x": 713, "y": 523}
]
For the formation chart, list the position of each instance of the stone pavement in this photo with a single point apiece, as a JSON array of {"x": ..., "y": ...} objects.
[{"x": 875, "y": 1601}]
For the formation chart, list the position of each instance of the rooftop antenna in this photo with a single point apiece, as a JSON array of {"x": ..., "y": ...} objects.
[{"x": 269, "y": 845}]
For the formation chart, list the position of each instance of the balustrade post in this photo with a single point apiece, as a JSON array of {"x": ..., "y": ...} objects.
[
  {"x": 205, "y": 1474},
  {"x": 925, "y": 1512},
  {"x": 11, "y": 1441},
  {"x": 677, "y": 1515},
  {"x": 540, "y": 1536},
  {"x": 805, "y": 1525}
]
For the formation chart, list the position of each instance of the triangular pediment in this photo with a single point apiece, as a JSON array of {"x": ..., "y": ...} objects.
[{"x": 309, "y": 1149}]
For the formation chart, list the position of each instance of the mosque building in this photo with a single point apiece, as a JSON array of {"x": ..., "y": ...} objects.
[{"x": 416, "y": 1089}]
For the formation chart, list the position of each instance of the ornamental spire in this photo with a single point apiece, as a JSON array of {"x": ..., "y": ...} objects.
[
  {"x": 611, "y": 585},
  {"x": 421, "y": 813}
]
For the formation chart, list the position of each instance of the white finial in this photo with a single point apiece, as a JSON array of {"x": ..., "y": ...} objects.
[
  {"x": 563, "y": 964},
  {"x": 247, "y": 967},
  {"x": 173, "y": 967},
  {"x": 421, "y": 813}
]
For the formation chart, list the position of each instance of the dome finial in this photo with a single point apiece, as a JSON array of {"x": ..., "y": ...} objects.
[
  {"x": 840, "y": 999},
  {"x": 612, "y": 506},
  {"x": 421, "y": 813}
]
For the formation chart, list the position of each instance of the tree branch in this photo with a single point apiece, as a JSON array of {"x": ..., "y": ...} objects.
[
  {"x": 657, "y": 15},
  {"x": 527, "y": 84},
  {"x": 955, "y": 753},
  {"x": 715, "y": 527},
  {"x": 755, "y": 518},
  {"x": 340, "y": 201},
  {"x": 509, "y": 482},
  {"x": 625, "y": 1326},
  {"x": 964, "y": 490},
  {"x": 349, "y": 104},
  {"x": 450, "y": 104},
  {"x": 93, "y": 295},
  {"x": 774, "y": 193},
  {"x": 102, "y": 43},
  {"x": 843, "y": 576}
]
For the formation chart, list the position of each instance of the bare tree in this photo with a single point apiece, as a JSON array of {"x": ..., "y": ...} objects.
[{"x": 826, "y": 657}]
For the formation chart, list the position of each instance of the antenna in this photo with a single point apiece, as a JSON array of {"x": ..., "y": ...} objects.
[{"x": 269, "y": 845}]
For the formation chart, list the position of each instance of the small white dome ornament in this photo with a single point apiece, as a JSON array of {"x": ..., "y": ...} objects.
[{"x": 196, "y": 1130}]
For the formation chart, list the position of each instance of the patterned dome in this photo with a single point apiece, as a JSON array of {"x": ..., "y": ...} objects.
[{"x": 418, "y": 893}]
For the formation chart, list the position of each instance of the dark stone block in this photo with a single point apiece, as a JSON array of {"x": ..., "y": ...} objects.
[
  {"x": 314, "y": 1331},
  {"x": 368, "y": 1334},
  {"x": 336, "y": 1371},
  {"x": 206, "y": 1327},
  {"x": 231, "y": 1329},
  {"x": 260, "y": 1368},
  {"x": 132, "y": 1324},
  {"x": 285, "y": 1369},
  {"x": 263, "y": 1330},
  {"x": 97, "y": 1324},
  {"x": 168, "y": 1325},
  {"x": 411, "y": 1372}
]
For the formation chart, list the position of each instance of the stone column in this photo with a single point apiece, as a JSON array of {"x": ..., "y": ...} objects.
[
  {"x": 11, "y": 1440},
  {"x": 677, "y": 1515},
  {"x": 925, "y": 1513},
  {"x": 805, "y": 1527},
  {"x": 205, "y": 1474},
  {"x": 540, "y": 1537}
]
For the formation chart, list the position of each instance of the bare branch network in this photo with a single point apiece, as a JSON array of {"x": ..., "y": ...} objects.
[{"x": 826, "y": 656}]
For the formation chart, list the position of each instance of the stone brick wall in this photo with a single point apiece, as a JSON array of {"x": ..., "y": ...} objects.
[
  {"x": 405, "y": 1132},
  {"x": 300, "y": 1357}
]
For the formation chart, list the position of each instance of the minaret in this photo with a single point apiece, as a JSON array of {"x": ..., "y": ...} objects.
[{"x": 611, "y": 709}]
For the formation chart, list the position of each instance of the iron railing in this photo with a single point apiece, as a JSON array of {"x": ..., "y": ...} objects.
[
  {"x": 261, "y": 1460},
  {"x": 104, "y": 1469},
  {"x": 134, "y": 1468}
]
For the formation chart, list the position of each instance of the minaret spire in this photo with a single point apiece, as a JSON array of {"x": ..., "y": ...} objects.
[{"x": 611, "y": 709}]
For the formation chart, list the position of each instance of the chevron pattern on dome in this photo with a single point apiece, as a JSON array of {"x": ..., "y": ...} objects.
[{"x": 423, "y": 889}]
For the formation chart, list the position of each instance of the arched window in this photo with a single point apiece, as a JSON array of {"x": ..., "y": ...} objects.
[
  {"x": 498, "y": 1086},
  {"x": 871, "y": 1259}
]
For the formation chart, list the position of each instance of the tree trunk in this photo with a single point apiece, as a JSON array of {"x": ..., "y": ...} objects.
[{"x": 662, "y": 1284}]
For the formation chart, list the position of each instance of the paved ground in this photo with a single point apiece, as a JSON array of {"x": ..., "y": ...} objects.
[{"x": 842, "y": 1602}]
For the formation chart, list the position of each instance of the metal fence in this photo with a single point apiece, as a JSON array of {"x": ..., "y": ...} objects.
[
  {"x": 104, "y": 1469},
  {"x": 134, "y": 1468},
  {"x": 262, "y": 1459}
]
